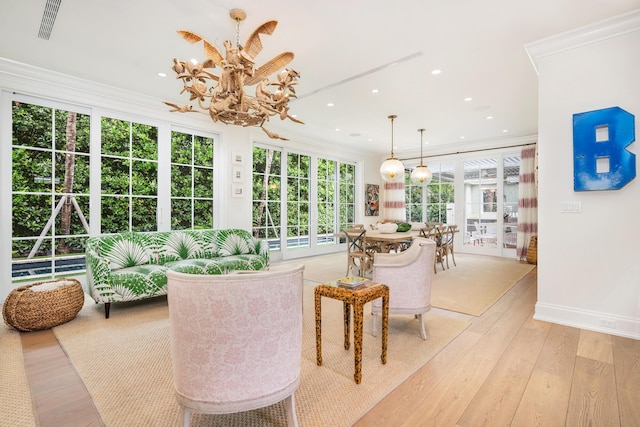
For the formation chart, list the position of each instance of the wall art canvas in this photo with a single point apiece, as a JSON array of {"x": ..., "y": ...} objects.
[{"x": 372, "y": 202}]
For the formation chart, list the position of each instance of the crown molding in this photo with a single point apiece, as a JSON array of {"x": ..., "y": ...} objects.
[{"x": 593, "y": 33}]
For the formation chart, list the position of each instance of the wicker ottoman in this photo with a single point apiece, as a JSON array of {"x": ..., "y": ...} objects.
[{"x": 53, "y": 303}]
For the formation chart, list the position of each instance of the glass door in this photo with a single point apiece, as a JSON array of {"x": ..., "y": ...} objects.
[
  {"x": 510, "y": 184},
  {"x": 491, "y": 205},
  {"x": 481, "y": 195}
]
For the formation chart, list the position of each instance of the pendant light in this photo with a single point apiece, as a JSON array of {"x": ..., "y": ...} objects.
[
  {"x": 392, "y": 169},
  {"x": 421, "y": 175}
]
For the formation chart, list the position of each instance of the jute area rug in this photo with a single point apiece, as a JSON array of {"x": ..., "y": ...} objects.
[
  {"x": 15, "y": 409},
  {"x": 125, "y": 363},
  {"x": 471, "y": 287},
  {"x": 475, "y": 283}
]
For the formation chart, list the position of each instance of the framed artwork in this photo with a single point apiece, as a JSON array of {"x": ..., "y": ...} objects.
[
  {"x": 236, "y": 158},
  {"x": 237, "y": 190},
  {"x": 372, "y": 200},
  {"x": 238, "y": 174}
]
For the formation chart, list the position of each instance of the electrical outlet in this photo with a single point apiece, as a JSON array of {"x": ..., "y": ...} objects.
[{"x": 608, "y": 323}]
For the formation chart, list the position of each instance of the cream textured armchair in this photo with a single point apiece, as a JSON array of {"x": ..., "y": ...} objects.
[
  {"x": 236, "y": 340},
  {"x": 408, "y": 275}
]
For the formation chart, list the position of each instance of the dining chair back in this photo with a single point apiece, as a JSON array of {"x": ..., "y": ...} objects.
[
  {"x": 447, "y": 243},
  {"x": 434, "y": 234},
  {"x": 359, "y": 256}
]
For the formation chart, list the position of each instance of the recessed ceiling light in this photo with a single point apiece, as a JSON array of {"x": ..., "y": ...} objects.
[
  {"x": 375, "y": 90},
  {"x": 462, "y": 137},
  {"x": 330, "y": 104},
  {"x": 468, "y": 98},
  {"x": 505, "y": 130},
  {"x": 436, "y": 72},
  {"x": 337, "y": 129},
  {"x": 489, "y": 117},
  {"x": 162, "y": 74}
]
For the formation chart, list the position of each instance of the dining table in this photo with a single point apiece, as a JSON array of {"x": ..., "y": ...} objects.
[{"x": 398, "y": 240}]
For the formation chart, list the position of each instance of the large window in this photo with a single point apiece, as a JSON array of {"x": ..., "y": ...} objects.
[
  {"x": 440, "y": 193},
  {"x": 129, "y": 176},
  {"x": 414, "y": 195},
  {"x": 50, "y": 189},
  {"x": 192, "y": 160},
  {"x": 439, "y": 202},
  {"x": 283, "y": 204},
  {"x": 347, "y": 196},
  {"x": 298, "y": 193},
  {"x": 267, "y": 206},
  {"x": 326, "y": 176}
]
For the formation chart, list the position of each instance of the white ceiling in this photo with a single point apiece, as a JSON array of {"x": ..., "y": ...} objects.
[{"x": 343, "y": 49}]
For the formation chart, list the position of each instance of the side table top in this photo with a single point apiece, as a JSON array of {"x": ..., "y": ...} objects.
[{"x": 334, "y": 287}]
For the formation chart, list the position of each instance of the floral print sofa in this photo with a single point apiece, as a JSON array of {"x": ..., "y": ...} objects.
[{"x": 133, "y": 266}]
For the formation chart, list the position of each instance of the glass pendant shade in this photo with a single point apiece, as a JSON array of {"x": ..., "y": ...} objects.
[
  {"x": 392, "y": 169},
  {"x": 421, "y": 176}
]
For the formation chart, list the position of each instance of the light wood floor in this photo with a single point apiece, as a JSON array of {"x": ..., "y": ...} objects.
[{"x": 505, "y": 369}]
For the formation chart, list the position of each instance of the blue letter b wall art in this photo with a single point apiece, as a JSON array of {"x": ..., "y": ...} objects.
[{"x": 600, "y": 158}]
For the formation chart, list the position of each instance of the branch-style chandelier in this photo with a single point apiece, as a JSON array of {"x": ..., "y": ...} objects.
[
  {"x": 392, "y": 169},
  {"x": 224, "y": 97},
  {"x": 421, "y": 175}
]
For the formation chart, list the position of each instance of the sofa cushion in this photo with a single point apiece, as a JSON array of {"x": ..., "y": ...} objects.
[
  {"x": 222, "y": 265},
  {"x": 126, "y": 250},
  {"x": 143, "y": 280},
  {"x": 179, "y": 245}
]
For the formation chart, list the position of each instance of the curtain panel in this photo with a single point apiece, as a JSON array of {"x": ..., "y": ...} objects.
[
  {"x": 527, "y": 199},
  {"x": 394, "y": 201}
]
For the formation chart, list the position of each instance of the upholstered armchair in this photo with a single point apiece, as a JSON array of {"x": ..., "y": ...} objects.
[
  {"x": 409, "y": 275},
  {"x": 236, "y": 340}
]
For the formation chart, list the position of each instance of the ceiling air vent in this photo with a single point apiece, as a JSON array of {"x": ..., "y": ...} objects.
[{"x": 49, "y": 18}]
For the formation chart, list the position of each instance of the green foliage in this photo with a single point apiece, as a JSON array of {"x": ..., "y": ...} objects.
[{"x": 38, "y": 171}]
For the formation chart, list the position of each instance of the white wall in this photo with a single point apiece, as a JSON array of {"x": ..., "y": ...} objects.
[{"x": 588, "y": 269}]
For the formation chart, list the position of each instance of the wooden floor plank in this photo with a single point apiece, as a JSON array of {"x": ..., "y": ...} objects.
[
  {"x": 389, "y": 413},
  {"x": 594, "y": 398},
  {"x": 447, "y": 402},
  {"x": 626, "y": 357},
  {"x": 546, "y": 398},
  {"x": 596, "y": 346},
  {"x": 498, "y": 398},
  {"x": 60, "y": 398}
]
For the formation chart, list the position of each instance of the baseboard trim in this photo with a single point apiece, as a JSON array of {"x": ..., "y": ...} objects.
[{"x": 589, "y": 320}]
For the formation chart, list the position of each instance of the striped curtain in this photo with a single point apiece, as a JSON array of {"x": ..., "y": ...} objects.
[
  {"x": 527, "y": 199},
  {"x": 394, "y": 201}
]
